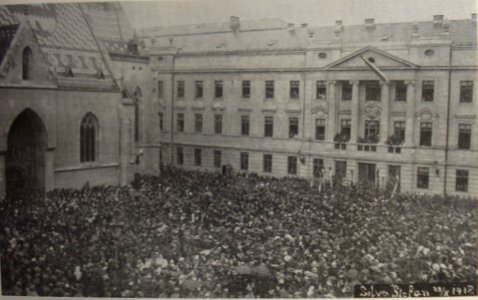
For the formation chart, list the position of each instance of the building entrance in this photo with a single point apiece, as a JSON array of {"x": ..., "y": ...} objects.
[{"x": 366, "y": 174}]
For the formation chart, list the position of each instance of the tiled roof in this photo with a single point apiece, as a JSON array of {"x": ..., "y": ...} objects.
[{"x": 7, "y": 32}]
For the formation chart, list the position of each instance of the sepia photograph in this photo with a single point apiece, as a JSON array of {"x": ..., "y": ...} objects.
[{"x": 239, "y": 149}]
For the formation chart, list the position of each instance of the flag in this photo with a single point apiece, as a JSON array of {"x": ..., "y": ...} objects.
[{"x": 375, "y": 69}]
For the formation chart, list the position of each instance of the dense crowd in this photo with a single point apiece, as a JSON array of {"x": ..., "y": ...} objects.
[{"x": 194, "y": 234}]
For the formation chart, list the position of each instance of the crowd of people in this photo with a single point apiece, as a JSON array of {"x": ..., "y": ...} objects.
[{"x": 203, "y": 234}]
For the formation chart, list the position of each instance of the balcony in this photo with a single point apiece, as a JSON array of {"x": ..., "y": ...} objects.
[
  {"x": 367, "y": 144},
  {"x": 340, "y": 140},
  {"x": 394, "y": 143}
]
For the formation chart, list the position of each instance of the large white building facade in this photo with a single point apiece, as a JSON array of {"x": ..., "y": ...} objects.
[{"x": 371, "y": 102}]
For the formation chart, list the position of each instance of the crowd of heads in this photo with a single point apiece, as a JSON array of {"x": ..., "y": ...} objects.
[{"x": 203, "y": 234}]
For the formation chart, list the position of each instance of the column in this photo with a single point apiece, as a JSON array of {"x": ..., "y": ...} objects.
[
  {"x": 332, "y": 120},
  {"x": 410, "y": 123},
  {"x": 3, "y": 180},
  {"x": 384, "y": 121},
  {"x": 355, "y": 113}
]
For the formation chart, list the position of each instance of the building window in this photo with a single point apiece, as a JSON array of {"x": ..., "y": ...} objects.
[
  {"x": 27, "y": 60},
  {"x": 464, "y": 136},
  {"x": 181, "y": 89},
  {"x": 217, "y": 158},
  {"x": 372, "y": 131},
  {"x": 180, "y": 122},
  {"x": 267, "y": 163},
  {"x": 345, "y": 128},
  {"x": 244, "y": 161},
  {"x": 422, "y": 177},
  {"x": 268, "y": 126},
  {"x": 372, "y": 90},
  {"x": 428, "y": 90},
  {"x": 138, "y": 94},
  {"x": 340, "y": 170},
  {"x": 218, "y": 88},
  {"x": 246, "y": 89},
  {"x": 293, "y": 127},
  {"x": 346, "y": 91},
  {"x": 318, "y": 167},
  {"x": 292, "y": 165},
  {"x": 198, "y": 123},
  {"x": 400, "y": 91},
  {"x": 179, "y": 156},
  {"x": 320, "y": 129},
  {"x": 399, "y": 130},
  {"x": 294, "y": 89},
  {"x": 197, "y": 157},
  {"x": 425, "y": 134},
  {"x": 160, "y": 89},
  {"x": 245, "y": 125},
  {"x": 466, "y": 91},
  {"x": 269, "y": 89},
  {"x": 218, "y": 124},
  {"x": 160, "y": 120},
  {"x": 461, "y": 184},
  {"x": 321, "y": 90},
  {"x": 88, "y": 138},
  {"x": 198, "y": 93}
]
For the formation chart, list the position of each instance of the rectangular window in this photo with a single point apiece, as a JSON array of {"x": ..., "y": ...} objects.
[
  {"x": 245, "y": 125},
  {"x": 294, "y": 89},
  {"x": 268, "y": 126},
  {"x": 244, "y": 161},
  {"x": 425, "y": 134},
  {"x": 428, "y": 90},
  {"x": 400, "y": 91},
  {"x": 293, "y": 127},
  {"x": 267, "y": 163},
  {"x": 180, "y": 122},
  {"x": 269, "y": 89},
  {"x": 345, "y": 128},
  {"x": 321, "y": 90},
  {"x": 217, "y": 158},
  {"x": 246, "y": 89},
  {"x": 464, "y": 136},
  {"x": 320, "y": 129},
  {"x": 160, "y": 121},
  {"x": 179, "y": 156},
  {"x": 372, "y": 90},
  {"x": 372, "y": 131},
  {"x": 292, "y": 165},
  {"x": 346, "y": 91},
  {"x": 160, "y": 89},
  {"x": 181, "y": 89},
  {"x": 466, "y": 91},
  {"x": 318, "y": 167},
  {"x": 461, "y": 184},
  {"x": 197, "y": 157},
  {"x": 340, "y": 169},
  {"x": 218, "y": 124},
  {"x": 218, "y": 88},
  {"x": 198, "y": 123},
  {"x": 198, "y": 93},
  {"x": 399, "y": 130},
  {"x": 422, "y": 177}
]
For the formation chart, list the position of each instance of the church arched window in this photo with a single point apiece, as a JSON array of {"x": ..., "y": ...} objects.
[
  {"x": 27, "y": 60},
  {"x": 89, "y": 138}
]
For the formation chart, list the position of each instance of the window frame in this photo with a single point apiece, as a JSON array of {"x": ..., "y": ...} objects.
[
  {"x": 269, "y": 89},
  {"x": 321, "y": 89},
  {"x": 426, "y": 127},
  {"x": 294, "y": 89},
  {"x": 400, "y": 91},
  {"x": 246, "y": 89},
  {"x": 198, "y": 89},
  {"x": 268, "y": 126},
  {"x": 89, "y": 138},
  {"x": 466, "y": 91},
  {"x": 244, "y": 161},
  {"x": 425, "y": 183},
  {"x": 293, "y": 127},
  {"x": 267, "y": 163},
  {"x": 320, "y": 123},
  {"x": 197, "y": 157},
  {"x": 292, "y": 165},
  {"x": 428, "y": 90},
  {"x": 218, "y": 89},
  {"x": 160, "y": 89},
  {"x": 218, "y": 124},
  {"x": 198, "y": 123},
  {"x": 373, "y": 90},
  {"x": 179, "y": 122},
  {"x": 180, "y": 89},
  {"x": 464, "y": 136},
  {"x": 217, "y": 154},
  {"x": 179, "y": 156},
  {"x": 399, "y": 129},
  {"x": 462, "y": 175},
  {"x": 344, "y": 88},
  {"x": 245, "y": 125}
]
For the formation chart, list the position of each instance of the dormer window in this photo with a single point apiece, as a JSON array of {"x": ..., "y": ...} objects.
[{"x": 27, "y": 58}]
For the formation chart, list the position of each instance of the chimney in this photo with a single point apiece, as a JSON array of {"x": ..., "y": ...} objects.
[
  {"x": 303, "y": 25},
  {"x": 338, "y": 26},
  {"x": 234, "y": 23},
  {"x": 370, "y": 23},
  {"x": 473, "y": 17}
]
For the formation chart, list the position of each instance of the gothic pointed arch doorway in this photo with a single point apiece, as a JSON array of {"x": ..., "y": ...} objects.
[{"x": 25, "y": 159}]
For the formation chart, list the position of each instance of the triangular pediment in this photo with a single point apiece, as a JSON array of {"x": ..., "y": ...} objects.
[
  {"x": 12, "y": 63},
  {"x": 379, "y": 58}
]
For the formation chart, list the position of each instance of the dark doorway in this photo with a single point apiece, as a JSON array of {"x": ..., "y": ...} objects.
[
  {"x": 367, "y": 174},
  {"x": 25, "y": 159}
]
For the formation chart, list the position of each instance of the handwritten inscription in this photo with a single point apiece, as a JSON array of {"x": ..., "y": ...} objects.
[{"x": 415, "y": 290}]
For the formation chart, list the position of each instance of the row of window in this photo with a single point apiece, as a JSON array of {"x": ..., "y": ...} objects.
[
  {"x": 372, "y": 90},
  {"x": 372, "y": 129},
  {"x": 423, "y": 173}
]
